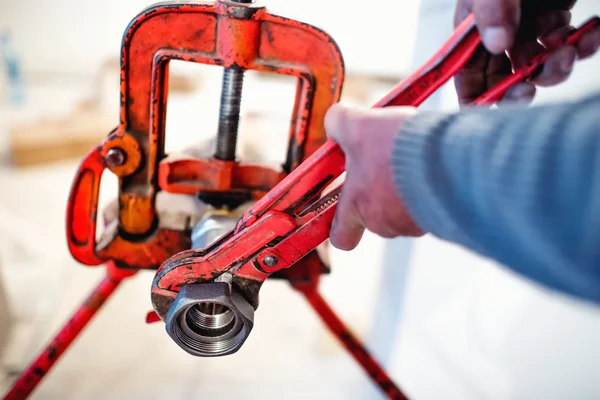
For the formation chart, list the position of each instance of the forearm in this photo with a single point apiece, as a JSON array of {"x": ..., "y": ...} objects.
[{"x": 518, "y": 185}]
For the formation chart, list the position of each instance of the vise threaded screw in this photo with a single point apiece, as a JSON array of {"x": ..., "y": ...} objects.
[{"x": 229, "y": 112}]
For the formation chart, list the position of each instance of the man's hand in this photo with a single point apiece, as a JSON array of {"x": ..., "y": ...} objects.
[
  {"x": 369, "y": 198},
  {"x": 514, "y": 31}
]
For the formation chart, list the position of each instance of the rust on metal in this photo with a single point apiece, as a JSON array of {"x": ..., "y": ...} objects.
[
  {"x": 292, "y": 214},
  {"x": 224, "y": 34}
]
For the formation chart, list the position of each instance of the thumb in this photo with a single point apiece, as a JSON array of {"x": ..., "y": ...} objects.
[
  {"x": 498, "y": 22},
  {"x": 347, "y": 227},
  {"x": 340, "y": 125}
]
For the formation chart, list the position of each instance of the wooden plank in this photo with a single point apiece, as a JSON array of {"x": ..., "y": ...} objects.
[{"x": 51, "y": 140}]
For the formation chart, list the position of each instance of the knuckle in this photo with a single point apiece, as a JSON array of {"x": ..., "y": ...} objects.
[
  {"x": 355, "y": 125},
  {"x": 359, "y": 203},
  {"x": 492, "y": 12},
  {"x": 343, "y": 125},
  {"x": 378, "y": 223}
]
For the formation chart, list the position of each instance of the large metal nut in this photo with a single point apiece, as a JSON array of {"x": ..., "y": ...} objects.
[{"x": 210, "y": 319}]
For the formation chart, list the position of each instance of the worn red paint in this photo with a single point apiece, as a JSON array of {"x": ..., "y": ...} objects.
[
  {"x": 292, "y": 219},
  {"x": 83, "y": 208},
  {"x": 293, "y": 212},
  {"x": 210, "y": 34},
  {"x": 289, "y": 220},
  {"x": 191, "y": 176}
]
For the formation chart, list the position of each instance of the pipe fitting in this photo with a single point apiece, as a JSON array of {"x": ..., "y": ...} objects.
[
  {"x": 210, "y": 319},
  {"x": 210, "y": 229}
]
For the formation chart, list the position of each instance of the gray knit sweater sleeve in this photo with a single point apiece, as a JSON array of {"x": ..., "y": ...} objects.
[{"x": 518, "y": 185}]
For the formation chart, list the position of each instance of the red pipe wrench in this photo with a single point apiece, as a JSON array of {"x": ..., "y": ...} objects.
[{"x": 295, "y": 217}]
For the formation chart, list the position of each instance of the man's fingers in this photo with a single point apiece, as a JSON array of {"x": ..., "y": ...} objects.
[
  {"x": 550, "y": 21},
  {"x": 497, "y": 21},
  {"x": 340, "y": 126},
  {"x": 589, "y": 44},
  {"x": 536, "y": 7},
  {"x": 526, "y": 45},
  {"x": 550, "y": 26},
  {"x": 347, "y": 227},
  {"x": 335, "y": 121},
  {"x": 483, "y": 71},
  {"x": 521, "y": 53},
  {"x": 462, "y": 11},
  {"x": 559, "y": 64},
  {"x": 523, "y": 93},
  {"x": 558, "y": 67}
]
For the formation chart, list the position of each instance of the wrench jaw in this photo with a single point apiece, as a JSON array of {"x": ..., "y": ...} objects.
[
  {"x": 184, "y": 306},
  {"x": 190, "y": 268},
  {"x": 207, "y": 297},
  {"x": 212, "y": 232}
]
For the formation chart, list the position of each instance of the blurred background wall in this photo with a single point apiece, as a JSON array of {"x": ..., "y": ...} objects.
[
  {"x": 65, "y": 36},
  {"x": 446, "y": 323}
]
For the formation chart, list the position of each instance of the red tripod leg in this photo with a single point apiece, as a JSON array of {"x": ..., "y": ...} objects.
[
  {"x": 351, "y": 343},
  {"x": 31, "y": 377}
]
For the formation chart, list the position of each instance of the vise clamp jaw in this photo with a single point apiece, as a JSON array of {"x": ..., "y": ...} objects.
[{"x": 237, "y": 36}]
